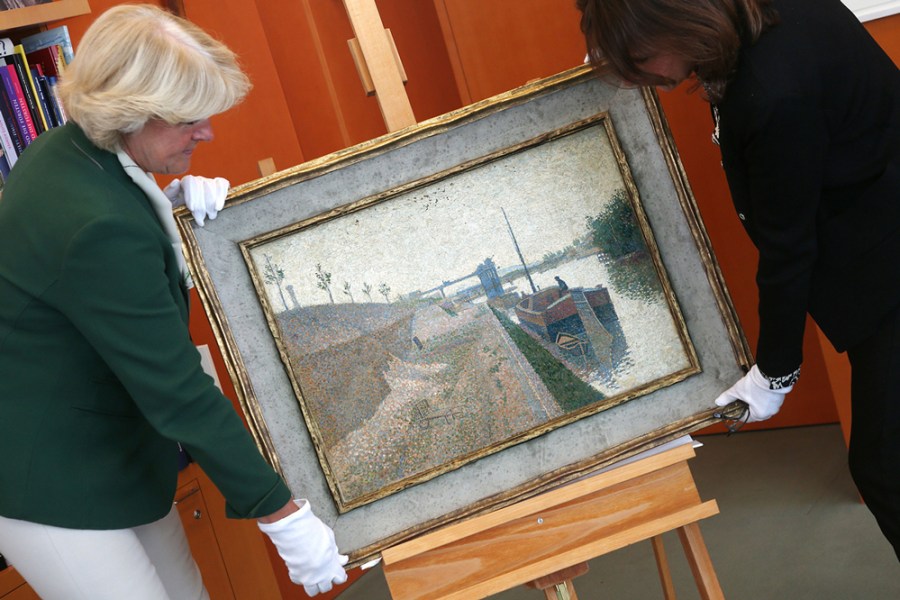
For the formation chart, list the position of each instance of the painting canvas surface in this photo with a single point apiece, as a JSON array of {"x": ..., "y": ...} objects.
[
  {"x": 393, "y": 359},
  {"x": 473, "y": 311}
]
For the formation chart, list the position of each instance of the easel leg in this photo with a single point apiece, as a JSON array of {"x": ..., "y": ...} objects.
[
  {"x": 561, "y": 591},
  {"x": 662, "y": 565},
  {"x": 559, "y": 586},
  {"x": 701, "y": 565}
]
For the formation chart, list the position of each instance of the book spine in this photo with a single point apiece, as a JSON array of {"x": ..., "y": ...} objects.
[
  {"x": 40, "y": 85},
  {"x": 60, "y": 59},
  {"x": 27, "y": 85},
  {"x": 47, "y": 58},
  {"x": 8, "y": 114},
  {"x": 17, "y": 99},
  {"x": 6, "y": 141},
  {"x": 6, "y": 46},
  {"x": 5, "y": 166},
  {"x": 57, "y": 102}
]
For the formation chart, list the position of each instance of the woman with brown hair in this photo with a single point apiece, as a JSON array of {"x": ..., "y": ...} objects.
[{"x": 806, "y": 111}]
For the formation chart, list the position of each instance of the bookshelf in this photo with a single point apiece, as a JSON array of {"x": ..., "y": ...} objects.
[
  {"x": 32, "y": 59},
  {"x": 39, "y": 14}
]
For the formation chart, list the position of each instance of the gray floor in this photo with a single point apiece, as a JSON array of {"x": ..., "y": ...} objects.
[{"x": 791, "y": 527}]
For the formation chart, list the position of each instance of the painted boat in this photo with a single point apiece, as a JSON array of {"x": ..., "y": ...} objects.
[{"x": 549, "y": 310}]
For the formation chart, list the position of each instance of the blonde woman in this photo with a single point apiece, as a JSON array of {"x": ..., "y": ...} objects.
[{"x": 99, "y": 380}]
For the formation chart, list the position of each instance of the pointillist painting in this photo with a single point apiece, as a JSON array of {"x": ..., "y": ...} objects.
[{"x": 448, "y": 319}]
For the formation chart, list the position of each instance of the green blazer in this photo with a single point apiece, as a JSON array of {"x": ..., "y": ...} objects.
[{"x": 98, "y": 375}]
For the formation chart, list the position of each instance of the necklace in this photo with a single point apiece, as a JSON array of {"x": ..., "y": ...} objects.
[
  {"x": 715, "y": 113},
  {"x": 715, "y": 133}
]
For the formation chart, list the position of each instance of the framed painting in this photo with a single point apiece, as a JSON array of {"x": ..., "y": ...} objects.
[{"x": 459, "y": 315}]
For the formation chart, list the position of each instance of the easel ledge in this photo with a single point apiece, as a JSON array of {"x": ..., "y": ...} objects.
[{"x": 545, "y": 534}]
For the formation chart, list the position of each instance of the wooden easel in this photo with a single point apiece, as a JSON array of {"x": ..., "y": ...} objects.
[
  {"x": 544, "y": 541},
  {"x": 379, "y": 66}
]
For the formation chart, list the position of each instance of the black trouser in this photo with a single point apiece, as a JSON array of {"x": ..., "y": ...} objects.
[{"x": 875, "y": 428}]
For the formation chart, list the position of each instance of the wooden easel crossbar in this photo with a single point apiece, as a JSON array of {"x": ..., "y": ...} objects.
[{"x": 541, "y": 536}]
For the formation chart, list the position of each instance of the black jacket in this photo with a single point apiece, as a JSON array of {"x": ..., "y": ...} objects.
[{"x": 810, "y": 140}]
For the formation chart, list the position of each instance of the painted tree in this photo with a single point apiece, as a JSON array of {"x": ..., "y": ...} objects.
[
  {"x": 367, "y": 290},
  {"x": 617, "y": 233},
  {"x": 348, "y": 292},
  {"x": 385, "y": 290},
  {"x": 616, "y": 230},
  {"x": 323, "y": 281},
  {"x": 274, "y": 275}
]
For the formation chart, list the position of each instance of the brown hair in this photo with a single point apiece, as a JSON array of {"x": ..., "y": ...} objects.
[{"x": 620, "y": 34}]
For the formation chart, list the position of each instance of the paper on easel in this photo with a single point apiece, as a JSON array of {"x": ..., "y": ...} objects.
[{"x": 680, "y": 441}]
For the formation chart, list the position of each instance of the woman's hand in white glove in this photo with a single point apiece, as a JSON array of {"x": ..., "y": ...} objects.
[
  {"x": 307, "y": 547},
  {"x": 204, "y": 197},
  {"x": 755, "y": 389}
]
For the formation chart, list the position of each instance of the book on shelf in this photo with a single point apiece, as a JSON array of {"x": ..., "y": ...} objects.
[
  {"x": 7, "y": 108},
  {"x": 4, "y": 167},
  {"x": 57, "y": 101},
  {"x": 17, "y": 91},
  {"x": 9, "y": 120},
  {"x": 43, "y": 96},
  {"x": 10, "y": 152},
  {"x": 29, "y": 98},
  {"x": 57, "y": 36},
  {"x": 48, "y": 61},
  {"x": 26, "y": 99},
  {"x": 14, "y": 4},
  {"x": 48, "y": 58},
  {"x": 13, "y": 90},
  {"x": 28, "y": 87}
]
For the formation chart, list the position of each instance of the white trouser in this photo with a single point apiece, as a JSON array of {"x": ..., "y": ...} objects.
[{"x": 149, "y": 562}]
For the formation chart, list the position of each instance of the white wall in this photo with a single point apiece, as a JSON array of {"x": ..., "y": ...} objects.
[{"x": 867, "y": 10}]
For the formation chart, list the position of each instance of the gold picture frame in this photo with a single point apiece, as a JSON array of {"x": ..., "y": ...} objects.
[{"x": 282, "y": 358}]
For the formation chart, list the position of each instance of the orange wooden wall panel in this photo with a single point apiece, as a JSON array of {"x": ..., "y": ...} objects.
[
  {"x": 886, "y": 32},
  {"x": 503, "y": 44},
  {"x": 330, "y": 110},
  {"x": 360, "y": 111},
  {"x": 417, "y": 33},
  {"x": 261, "y": 126},
  {"x": 258, "y": 128},
  {"x": 296, "y": 47}
]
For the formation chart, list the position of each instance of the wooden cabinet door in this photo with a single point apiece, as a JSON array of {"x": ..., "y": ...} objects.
[
  {"x": 23, "y": 592},
  {"x": 13, "y": 587},
  {"x": 202, "y": 538},
  {"x": 231, "y": 553}
]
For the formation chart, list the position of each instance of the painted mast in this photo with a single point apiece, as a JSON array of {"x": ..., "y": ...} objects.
[{"x": 519, "y": 252}]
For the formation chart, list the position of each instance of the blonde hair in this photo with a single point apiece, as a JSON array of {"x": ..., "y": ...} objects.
[{"x": 138, "y": 62}]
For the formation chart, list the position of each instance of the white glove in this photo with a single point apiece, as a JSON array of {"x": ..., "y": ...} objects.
[
  {"x": 754, "y": 389},
  {"x": 307, "y": 547},
  {"x": 204, "y": 197}
]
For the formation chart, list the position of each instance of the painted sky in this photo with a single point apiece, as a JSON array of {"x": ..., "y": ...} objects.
[{"x": 418, "y": 239}]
